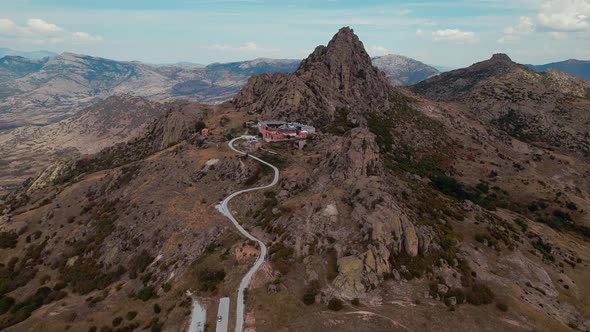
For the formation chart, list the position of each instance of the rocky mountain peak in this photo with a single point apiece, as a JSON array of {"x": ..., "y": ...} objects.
[
  {"x": 345, "y": 54},
  {"x": 501, "y": 57},
  {"x": 339, "y": 76}
]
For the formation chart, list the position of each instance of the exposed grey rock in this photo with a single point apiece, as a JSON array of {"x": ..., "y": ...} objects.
[{"x": 442, "y": 289}]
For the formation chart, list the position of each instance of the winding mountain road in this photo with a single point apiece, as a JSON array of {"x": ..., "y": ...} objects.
[{"x": 224, "y": 209}]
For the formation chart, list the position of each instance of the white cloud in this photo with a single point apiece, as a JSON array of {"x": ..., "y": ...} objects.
[
  {"x": 565, "y": 15},
  {"x": 37, "y": 31},
  {"x": 7, "y": 25},
  {"x": 41, "y": 26},
  {"x": 525, "y": 26},
  {"x": 84, "y": 36},
  {"x": 556, "y": 16},
  {"x": 379, "y": 50},
  {"x": 454, "y": 36},
  {"x": 419, "y": 33},
  {"x": 512, "y": 34}
]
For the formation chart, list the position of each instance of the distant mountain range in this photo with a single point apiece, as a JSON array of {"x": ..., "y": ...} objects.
[
  {"x": 402, "y": 70},
  {"x": 48, "y": 90},
  {"x": 43, "y": 91},
  {"x": 35, "y": 55},
  {"x": 40, "y": 87},
  {"x": 578, "y": 68}
]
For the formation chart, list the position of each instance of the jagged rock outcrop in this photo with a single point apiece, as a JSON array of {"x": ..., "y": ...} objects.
[
  {"x": 359, "y": 155},
  {"x": 51, "y": 174},
  {"x": 337, "y": 76},
  {"x": 349, "y": 281},
  {"x": 231, "y": 169},
  {"x": 388, "y": 232}
]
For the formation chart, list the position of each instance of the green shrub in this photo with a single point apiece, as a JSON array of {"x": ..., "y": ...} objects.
[
  {"x": 332, "y": 267},
  {"x": 355, "y": 301},
  {"x": 537, "y": 205},
  {"x": 311, "y": 292},
  {"x": 117, "y": 321},
  {"x": 280, "y": 256},
  {"x": 60, "y": 285},
  {"x": 457, "y": 293},
  {"x": 131, "y": 315},
  {"x": 16, "y": 273},
  {"x": 335, "y": 304},
  {"x": 545, "y": 249},
  {"x": 8, "y": 240},
  {"x": 210, "y": 279},
  {"x": 480, "y": 294},
  {"x": 502, "y": 306},
  {"x": 309, "y": 298},
  {"x": 86, "y": 275},
  {"x": 523, "y": 224},
  {"x": 6, "y": 303},
  {"x": 449, "y": 186},
  {"x": 157, "y": 308},
  {"x": 141, "y": 262},
  {"x": 23, "y": 310},
  {"x": 146, "y": 294}
]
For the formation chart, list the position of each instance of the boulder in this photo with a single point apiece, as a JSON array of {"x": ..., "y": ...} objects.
[
  {"x": 451, "y": 301},
  {"x": 442, "y": 288},
  {"x": 349, "y": 282},
  {"x": 359, "y": 155},
  {"x": 410, "y": 237}
]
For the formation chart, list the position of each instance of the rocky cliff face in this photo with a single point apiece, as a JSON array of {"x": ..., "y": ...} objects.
[{"x": 333, "y": 77}]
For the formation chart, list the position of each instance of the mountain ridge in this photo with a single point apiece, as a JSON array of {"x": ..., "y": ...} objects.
[
  {"x": 48, "y": 90},
  {"x": 574, "y": 67},
  {"x": 403, "y": 70}
]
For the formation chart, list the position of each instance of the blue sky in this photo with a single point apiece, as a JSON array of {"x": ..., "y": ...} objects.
[{"x": 453, "y": 33}]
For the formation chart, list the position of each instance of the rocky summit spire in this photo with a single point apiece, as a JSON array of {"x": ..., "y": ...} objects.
[
  {"x": 345, "y": 59},
  {"x": 337, "y": 76},
  {"x": 501, "y": 57}
]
